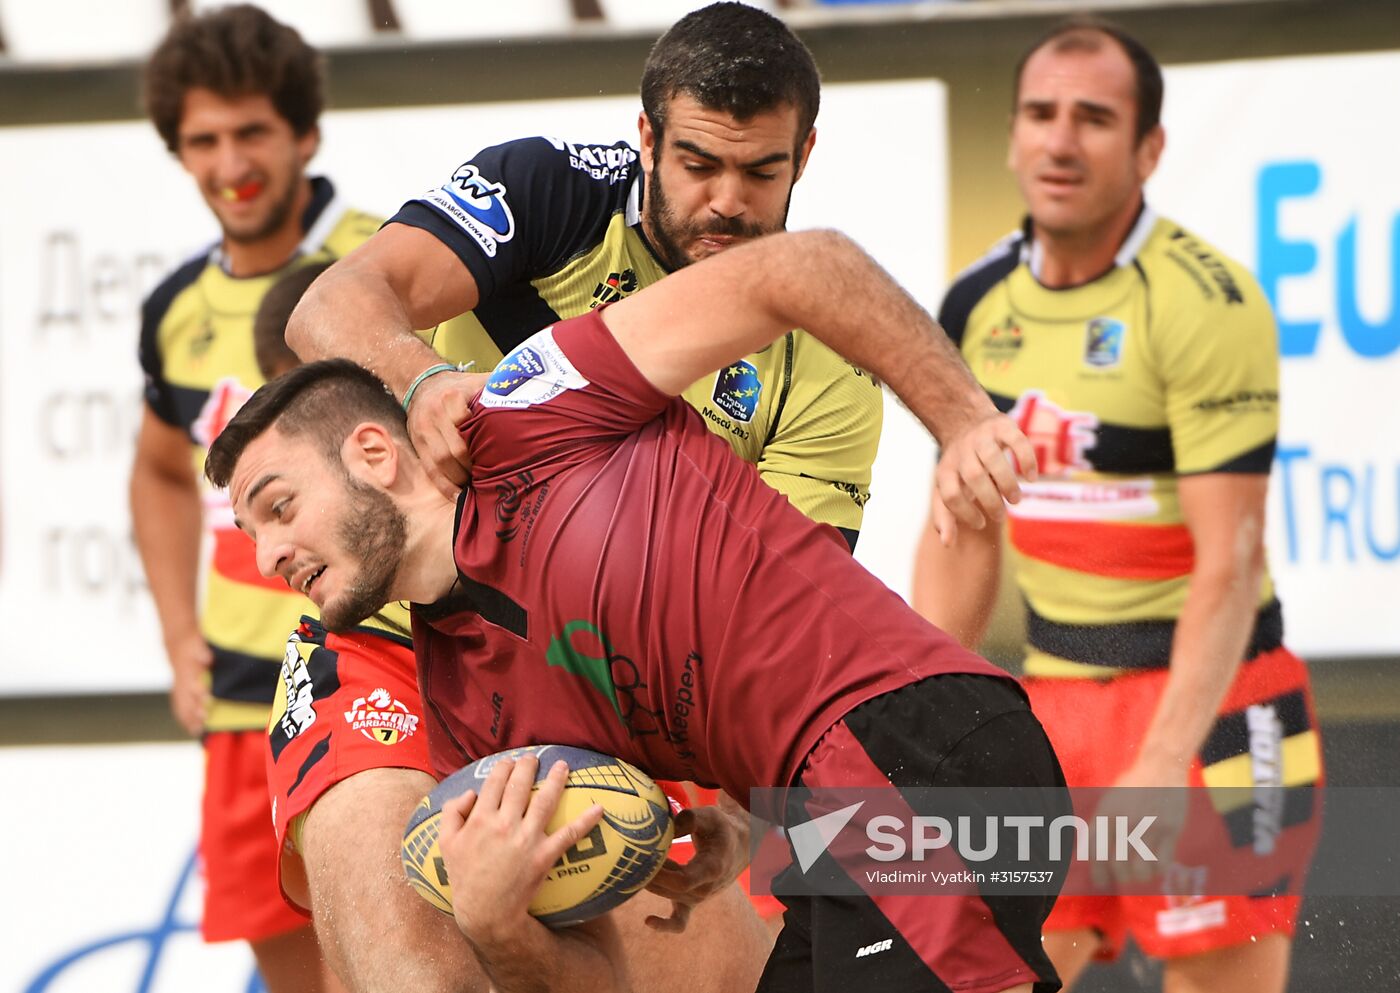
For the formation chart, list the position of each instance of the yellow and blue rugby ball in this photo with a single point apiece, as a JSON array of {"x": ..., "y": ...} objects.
[{"x": 614, "y": 861}]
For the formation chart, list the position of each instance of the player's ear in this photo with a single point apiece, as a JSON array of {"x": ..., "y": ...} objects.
[
  {"x": 309, "y": 144},
  {"x": 804, "y": 154},
  {"x": 646, "y": 141},
  {"x": 1149, "y": 152},
  {"x": 370, "y": 455}
]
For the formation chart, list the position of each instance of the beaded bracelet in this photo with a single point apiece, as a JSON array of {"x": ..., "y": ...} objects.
[{"x": 428, "y": 373}]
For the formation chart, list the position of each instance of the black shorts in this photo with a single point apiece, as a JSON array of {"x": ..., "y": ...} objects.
[{"x": 956, "y": 730}]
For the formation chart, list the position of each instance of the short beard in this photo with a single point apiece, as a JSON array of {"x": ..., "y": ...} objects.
[
  {"x": 374, "y": 533},
  {"x": 668, "y": 232}
]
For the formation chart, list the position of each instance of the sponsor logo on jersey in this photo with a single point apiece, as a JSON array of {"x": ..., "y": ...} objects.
[
  {"x": 615, "y": 287},
  {"x": 1241, "y": 402},
  {"x": 1208, "y": 261},
  {"x": 1060, "y": 437},
  {"x": 875, "y": 949},
  {"x": 536, "y": 372},
  {"x": 858, "y": 496},
  {"x": 1002, "y": 344},
  {"x": 619, "y": 679},
  {"x": 596, "y": 670},
  {"x": 599, "y": 161},
  {"x": 477, "y": 205},
  {"x": 202, "y": 342},
  {"x": 224, "y": 400},
  {"x": 508, "y": 496},
  {"x": 1103, "y": 342},
  {"x": 737, "y": 389},
  {"x": 380, "y": 717}
]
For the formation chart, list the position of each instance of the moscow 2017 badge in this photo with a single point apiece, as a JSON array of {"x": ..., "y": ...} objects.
[{"x": 737, "y": 389}]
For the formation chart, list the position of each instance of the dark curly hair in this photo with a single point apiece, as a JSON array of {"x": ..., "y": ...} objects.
[{"x": 233, "y": 51}]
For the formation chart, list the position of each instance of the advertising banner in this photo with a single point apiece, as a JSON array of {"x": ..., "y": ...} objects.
[
  {"x": 1286, "y": 165},
  {"x": 112, "y": 894}
]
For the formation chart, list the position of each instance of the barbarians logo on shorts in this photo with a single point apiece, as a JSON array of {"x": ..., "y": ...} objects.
[
  {"x": 614, "y": 288},
  {"x": 737, "y": 389},
  {"x": 477, "y": 205},
  {"x": 379, "y": 717}
]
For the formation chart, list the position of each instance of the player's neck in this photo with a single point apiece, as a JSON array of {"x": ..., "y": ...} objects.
[
  {"x": 429, "y": 568},
  {"x": 255, "y": 258},
  {"x": 1073, "y": 258}
]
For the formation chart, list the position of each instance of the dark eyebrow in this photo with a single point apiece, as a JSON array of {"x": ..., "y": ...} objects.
[
  {"x": 1031, "y": 103},
  {"x": 696, "y": 150},
  {"x": 259, "y": 486}
]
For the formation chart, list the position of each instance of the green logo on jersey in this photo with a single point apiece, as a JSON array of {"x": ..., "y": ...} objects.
[{"x": 597, "y": 671}]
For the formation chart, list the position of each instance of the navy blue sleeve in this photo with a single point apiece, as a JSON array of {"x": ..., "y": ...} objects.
[
  {"x": 973, "y": 284},
  {"x": 157, "y": 391},
  {"x": 521, "y": 210}
]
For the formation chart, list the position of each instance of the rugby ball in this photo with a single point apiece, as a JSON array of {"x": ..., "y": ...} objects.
[{"x": 616, "y": 859}]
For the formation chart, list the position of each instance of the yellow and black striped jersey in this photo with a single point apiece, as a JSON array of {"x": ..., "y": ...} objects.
[
  {"x": 551, "y": 229},
  {"x": 1165, "y": 366},
  {"x": 196, "y": 352}
]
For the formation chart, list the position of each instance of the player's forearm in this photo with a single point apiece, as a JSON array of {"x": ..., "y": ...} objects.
[
  {"x": 168, "y": 520},
  {"x": 1207, "y": 647},
  {"x": 845, "y": 299},
  {"x": 817, "y": 280},
  {"x": 535, "y": 959},
  {"x": 955, "y": 588},
  {"x": 352, "y": 311}
]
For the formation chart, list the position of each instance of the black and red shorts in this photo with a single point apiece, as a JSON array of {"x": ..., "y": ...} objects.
[{"x": 955, "y": 730}]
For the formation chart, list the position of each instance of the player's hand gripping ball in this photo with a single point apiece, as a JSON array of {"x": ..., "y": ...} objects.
[{"x": 615, "y": 860}]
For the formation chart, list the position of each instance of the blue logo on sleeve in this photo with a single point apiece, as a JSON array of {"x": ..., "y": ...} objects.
[
  {"x": 515, "y": 370},
  {"x": 737, "y": 389},
  {"x": 484, "y": 200},
  {"x": 1103, "y": 342}
]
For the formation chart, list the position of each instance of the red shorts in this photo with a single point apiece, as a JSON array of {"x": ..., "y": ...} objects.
[
  {"x": 239, "y": 850},
  {"x": 345, "y": 704},
  {"x": 1096, "y": 727}
]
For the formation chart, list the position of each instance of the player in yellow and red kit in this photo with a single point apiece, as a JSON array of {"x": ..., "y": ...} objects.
[{"x": 1143, "y": 365}]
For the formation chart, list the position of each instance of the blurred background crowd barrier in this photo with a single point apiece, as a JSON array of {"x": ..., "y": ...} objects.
[{"x": 1282, "y": 139}]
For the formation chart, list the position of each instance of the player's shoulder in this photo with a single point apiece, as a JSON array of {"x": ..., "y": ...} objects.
[
  {"x": 175, "y": 282},
  {"x": 605, "y": 163},
  {"x": 351, "y": 227},
  {"x": 972, "y": 284},
  {"x": 158, "y": 302},
  {"x": 1186, "y": 272}
]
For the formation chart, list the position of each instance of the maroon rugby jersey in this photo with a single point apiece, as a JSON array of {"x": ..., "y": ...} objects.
[{"x": 628, "y": 584}]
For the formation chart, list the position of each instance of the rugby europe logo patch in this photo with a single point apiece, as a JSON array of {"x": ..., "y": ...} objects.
[
  {"x": 477, "y": 206},
  {"x": 737, "y": 388},
  {"x": 536, "y": 372}
]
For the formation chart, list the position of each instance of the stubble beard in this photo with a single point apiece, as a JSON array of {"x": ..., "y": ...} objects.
[
  {"x": 668, "y": 232},
  {"x": 374, "y": 533}
]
